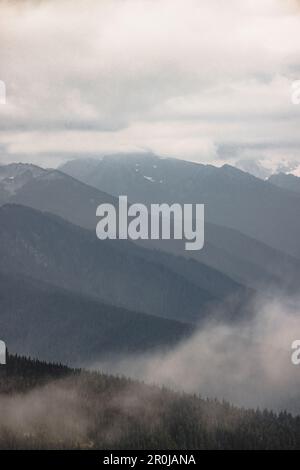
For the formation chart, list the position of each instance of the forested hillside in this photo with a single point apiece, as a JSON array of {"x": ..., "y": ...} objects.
[{"x": 51, "y": 406}]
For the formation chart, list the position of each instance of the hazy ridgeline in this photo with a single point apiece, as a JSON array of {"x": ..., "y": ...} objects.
[{"x": 219, "y": 323}]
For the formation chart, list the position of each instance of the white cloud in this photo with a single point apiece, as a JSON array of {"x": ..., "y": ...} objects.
[{"x": 181, "y": 78}]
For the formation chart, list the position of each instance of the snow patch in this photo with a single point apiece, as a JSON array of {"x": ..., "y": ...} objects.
[{"x": 149, "y": 178}]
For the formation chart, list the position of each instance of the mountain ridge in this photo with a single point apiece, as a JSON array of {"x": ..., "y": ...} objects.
[
  {"x": 51, "y": 323},
  {"x": 233, "y": 198},
  {"x": 56, "y": 251}
]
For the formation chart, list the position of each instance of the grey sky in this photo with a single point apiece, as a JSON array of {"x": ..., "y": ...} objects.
[{"x": 206, "y": 80}]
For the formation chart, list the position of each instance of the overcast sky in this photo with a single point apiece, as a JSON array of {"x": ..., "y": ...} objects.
[{"x": 203, "y": 80}]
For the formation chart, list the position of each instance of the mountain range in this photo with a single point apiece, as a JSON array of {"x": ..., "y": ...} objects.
[
  {"x": 232, "y": 198},
  {"x": 242, "y": 254},
  {"x": 48, "y": 248},
  {"x": 243, "y": 258},
  {"x": 142, "y": 295}
]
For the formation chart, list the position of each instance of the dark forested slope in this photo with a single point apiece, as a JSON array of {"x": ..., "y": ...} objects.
[
  {"x": 50, "y": 406},
  {"x": 41, "y": 320}
]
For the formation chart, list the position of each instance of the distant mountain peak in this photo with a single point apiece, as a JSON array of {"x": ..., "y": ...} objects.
[
  {"x": 16, "y": 169},
  {"x": 286, "y": 181}
]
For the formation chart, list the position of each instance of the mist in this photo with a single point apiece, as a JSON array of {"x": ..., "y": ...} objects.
[
  {"x": 248, "y": 364},
  {"x": 51, "y": 414}
]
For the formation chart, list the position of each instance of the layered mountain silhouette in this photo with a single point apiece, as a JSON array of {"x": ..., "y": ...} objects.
[
  {"x": 233, "y": 198},
  {"x": 240, "y": 257},
  {"x": 48, "y": 248},
  {"x": 115, "y": 295},
  {"x": 244, "y": 259},
  {"x": 50, "y": 323}
]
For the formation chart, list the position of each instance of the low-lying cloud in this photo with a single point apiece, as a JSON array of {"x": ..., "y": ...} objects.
[
  {"x": 48, "y": 415},
  {"x": 248, "y": 364}
]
